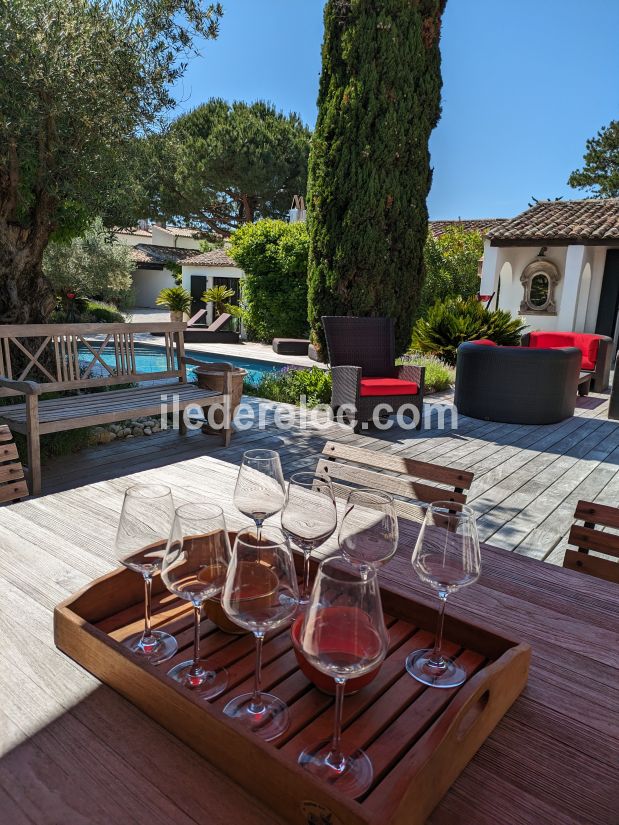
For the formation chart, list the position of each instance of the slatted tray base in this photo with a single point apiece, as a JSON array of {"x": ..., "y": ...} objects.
[{"x": 418, "y": 738}]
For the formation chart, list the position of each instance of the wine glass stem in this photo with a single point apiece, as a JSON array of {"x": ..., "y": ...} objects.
[
  {"x": 256, "y": 705},
  {"x": 336, "y": 757},
  {"x": 148, "y": 588},
  {"x": 307, "y": 553},
  {"x": 195, "y": 666},
  {"x": 436, "y": 657}
]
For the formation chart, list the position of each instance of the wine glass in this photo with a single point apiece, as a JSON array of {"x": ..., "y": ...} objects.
[
  {"x": 309, "y": 516},
  {"x": 260, "y": 594},
  {"x": 143, "y": 530},
  {"x": 194, "y": 568},
  {"x": 447, "y": 557},
  {"x": 259, "y": 491},
  {"x": 369, "y": 531},
  {"x": 344, "y": 636}
]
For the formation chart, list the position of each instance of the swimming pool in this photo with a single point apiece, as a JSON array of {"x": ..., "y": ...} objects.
[{"x": 152, "y": 359}]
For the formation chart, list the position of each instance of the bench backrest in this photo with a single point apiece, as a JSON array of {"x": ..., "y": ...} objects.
[
  {"x": 73, "y": 356},
  {"x": 405, "y": 478},
  {"x": 587, "y": 539}
]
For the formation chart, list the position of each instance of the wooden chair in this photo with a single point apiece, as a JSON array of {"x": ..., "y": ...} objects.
[
  {"x": 13, "y": 484},
  {"x": 411, "y": 482},
  {"x": 587, "y": 538}
]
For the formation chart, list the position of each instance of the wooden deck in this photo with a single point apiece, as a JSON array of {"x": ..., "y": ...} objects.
[{"x": 527, "y": 478}]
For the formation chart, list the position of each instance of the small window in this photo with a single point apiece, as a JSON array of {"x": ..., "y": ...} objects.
[{"x": 539, "y": 280}]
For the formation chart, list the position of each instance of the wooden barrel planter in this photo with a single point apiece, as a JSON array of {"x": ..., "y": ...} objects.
[{"x": 211, "y": 377}]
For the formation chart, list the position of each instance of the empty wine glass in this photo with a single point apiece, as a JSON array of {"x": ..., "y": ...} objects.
[
  {"x": 143, "y": 530},
  {"x": 447, "y": 557},
  {"x": 309, "y": 516},
  {"x": 194, "y": 568},
  {"x": 369, "y": 531},
  {"x": 260, "y": 594},
  {"x": 344, "y": 636},
  {"x": 259, "y": 491}
]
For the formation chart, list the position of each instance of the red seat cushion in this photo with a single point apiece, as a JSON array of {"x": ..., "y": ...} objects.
[
  {"x": 388, "y": 386},
  {"x": 588, "y": 344},
  {"x": 485, "y": 341}
]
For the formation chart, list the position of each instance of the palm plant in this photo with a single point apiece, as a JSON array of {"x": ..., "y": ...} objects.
[
  {"x": 454, "y": 320},
  {"x": 219, "y": 297},
  {"x": 175, "y": 298}
]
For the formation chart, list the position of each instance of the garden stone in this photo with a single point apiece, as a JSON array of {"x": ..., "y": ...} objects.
[
  {"x": 138, "y": 431},
  {"x": 148, "y": 431}
]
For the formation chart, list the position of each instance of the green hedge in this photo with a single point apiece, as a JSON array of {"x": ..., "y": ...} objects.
[{"x": 273, "y": 255}]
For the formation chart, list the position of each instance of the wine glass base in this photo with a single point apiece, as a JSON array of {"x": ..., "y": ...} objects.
[
  {"x": 207, "y": 683},
  {"x": 352, "y": 778},
  {"x": 162, "y": 648},
  {"x": 268, "y": 723},
  {"x": 420, "y": 667}
]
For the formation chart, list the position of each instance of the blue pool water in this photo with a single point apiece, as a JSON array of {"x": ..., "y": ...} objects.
[{"x": 152, "y": 359}]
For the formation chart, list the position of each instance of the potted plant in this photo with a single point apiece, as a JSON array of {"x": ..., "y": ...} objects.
[
  {"x": 177, "y": 299},
  {"x": 219, "y": 297}
]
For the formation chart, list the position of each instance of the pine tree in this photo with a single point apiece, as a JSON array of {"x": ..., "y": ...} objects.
[{"x": 369, "y": 175}]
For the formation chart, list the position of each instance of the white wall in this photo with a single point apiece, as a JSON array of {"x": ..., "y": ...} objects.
[
  {"x": 162, "y": 238},
  {"x": 148, "y": 283},
  {"x": 576, "y": 295}
]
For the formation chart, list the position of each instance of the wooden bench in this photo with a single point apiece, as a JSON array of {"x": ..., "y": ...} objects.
[
  {"x": 45, "y": 358},
  {"x": 404, "y": 478},
  {"x": 586, "y": 538},
  {"x": 13, "y": 485}
]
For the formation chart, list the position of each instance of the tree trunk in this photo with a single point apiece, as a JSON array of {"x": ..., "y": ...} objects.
[
  {"x": 247, "y": 209},
  {"x": 26, "y": 296}
]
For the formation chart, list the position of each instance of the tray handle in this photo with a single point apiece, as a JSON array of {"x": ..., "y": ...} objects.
[{"x": 447, "y": 747}]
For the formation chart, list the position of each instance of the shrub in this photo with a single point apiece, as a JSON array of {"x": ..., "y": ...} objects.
[
  {"x": 451, "y": 322},
  {"x": 83, "y": 311},
  {"x": 92, "y": 265},
  {"x": 290, "y": 384},
  {"x": 273, "y": 255},
  {"x": 451, "y": 262},
  {"x": 439, "y": 375}
]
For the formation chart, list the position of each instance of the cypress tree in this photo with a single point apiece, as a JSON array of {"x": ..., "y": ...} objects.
[{"x": 370, "y": 174}]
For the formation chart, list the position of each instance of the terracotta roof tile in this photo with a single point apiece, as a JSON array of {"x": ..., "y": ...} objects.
[
  {"x": 438, "y": 228},
  {"x": 564, "y": 222},
  {"x": 144, "y": 253},
  {"x": 214, "y": 257}
]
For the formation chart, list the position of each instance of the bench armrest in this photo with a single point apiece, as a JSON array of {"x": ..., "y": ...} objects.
[{"x": 21, "y": 387}]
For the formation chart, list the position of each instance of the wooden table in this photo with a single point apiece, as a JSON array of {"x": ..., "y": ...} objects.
[{"x": 75, "y": 753}]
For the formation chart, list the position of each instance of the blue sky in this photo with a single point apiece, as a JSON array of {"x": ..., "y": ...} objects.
[{"x": 525, "y": 84}]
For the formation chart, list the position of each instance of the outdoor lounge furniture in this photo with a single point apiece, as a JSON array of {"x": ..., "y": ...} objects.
[
  {"x": 516, "y": 384},
  {"x": 596, "y": 352},
  {"x": 13, "y": 486},
  {"x": 290, "y": 346},
  {"x": 586, "y": 538},
  {"x": 214, "y": 334},
  {"x": 51, "y": 358},
  {"x": 365, "y": 377},
  {"x": 406, "y": 479}
]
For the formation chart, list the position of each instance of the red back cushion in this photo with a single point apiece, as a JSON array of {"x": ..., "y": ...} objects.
[
  {"x": 485, "y": 341},
  {"x": 588, "y": 344}
]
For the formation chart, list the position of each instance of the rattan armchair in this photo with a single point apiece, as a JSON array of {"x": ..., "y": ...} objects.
[{"x": 367, "y": 383}]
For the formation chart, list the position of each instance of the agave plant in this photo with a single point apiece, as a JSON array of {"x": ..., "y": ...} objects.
[
  {"x": 175, "y": 298},
  {"x": 219, "y": 297},
  {"x": 453, "y": 321}
]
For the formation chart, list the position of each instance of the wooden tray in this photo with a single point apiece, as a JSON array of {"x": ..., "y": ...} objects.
[{"x": 419, "y": 739}]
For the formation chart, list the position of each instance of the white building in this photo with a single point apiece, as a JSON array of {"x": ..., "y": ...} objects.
[
  {"x": 557, "y": 265},
  {"x": 155, "y": 247}
]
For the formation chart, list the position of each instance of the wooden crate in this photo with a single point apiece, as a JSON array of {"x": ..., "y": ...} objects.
[{"x": 419, "y": 739}]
